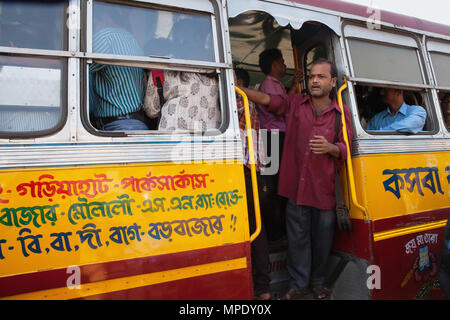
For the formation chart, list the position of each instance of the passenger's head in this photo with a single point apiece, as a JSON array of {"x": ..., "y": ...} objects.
[
  {"x": 271, "y": 63},
  {"x": 242, "y": 78},
  {"x": 393, "y": 97},
  {"x": 322, "y": 78}
]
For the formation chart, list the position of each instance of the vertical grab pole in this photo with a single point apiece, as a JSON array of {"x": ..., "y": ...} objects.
[
  {"x": 296, "y": 65},
  {"x": 252, "y": 161},
  {"x": 349, "y": 157}
]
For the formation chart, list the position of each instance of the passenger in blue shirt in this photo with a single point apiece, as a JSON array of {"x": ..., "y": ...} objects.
[{"x": 399, "y": 116}]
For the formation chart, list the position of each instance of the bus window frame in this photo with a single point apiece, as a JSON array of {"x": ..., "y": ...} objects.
[
  {"x": 390, "y": 44},
  {"x": 64, "y": 55},
  {"x": 429, "y": 51},
  {"x": 446, "y": 129},
  {"x": 429, "y": 101},
  {"x": 220, "y": 66},
  {"x": 437, "y": 87}
]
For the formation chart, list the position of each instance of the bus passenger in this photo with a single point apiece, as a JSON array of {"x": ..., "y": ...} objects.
[
  {"x": 307, "y": 175},
  {"x": 116, "y": 92},
  {"x": 260, "y": 246},
  {"x": 399, "y": 116},
  {"x": 272, "y": 65},
  {"x": 446, "y": 109},
  {"x": 190, "y": 101}
]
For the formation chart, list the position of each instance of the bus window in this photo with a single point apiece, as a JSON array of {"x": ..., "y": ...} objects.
[
  {"x": 181, "y": 101},
  {"x": 32, "y": 24},
  {"x": 30, "y": 94},
  {"x": 190, "y": 101},
  {"x": 393, "y": 93},
  {"x": 375, "y": 103},
  {"x": 32, "y": 87},
  {"x": 157, "y": 32},
  {"x": 385, "y": 62},
  {"x": 441, "y": 66},
  {"x": 439, "y": 53},
  {"x": 120, "y": 91}
]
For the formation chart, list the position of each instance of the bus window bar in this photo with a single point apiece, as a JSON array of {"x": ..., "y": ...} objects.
[
  {"x": 390, "y": 84},
  {"x": 112, "y": 57},
  {"x": 151, "y": 59},
  {"x": 151, "y": 65},
  {"x": 442, "y": 88},
  {"x": 36, "y": 52}
]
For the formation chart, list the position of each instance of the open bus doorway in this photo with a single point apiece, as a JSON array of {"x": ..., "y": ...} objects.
[{"x": 251, "y": 33}]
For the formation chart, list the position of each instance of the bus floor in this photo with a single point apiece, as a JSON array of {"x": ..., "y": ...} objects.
[
  {"x": 279, "y": 274},
  {"x": 278, "y": 268}
]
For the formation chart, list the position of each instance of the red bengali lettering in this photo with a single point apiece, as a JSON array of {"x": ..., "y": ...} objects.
[
  {"x": 88, "y": 187},
  {"x": 166, "y": 182}
]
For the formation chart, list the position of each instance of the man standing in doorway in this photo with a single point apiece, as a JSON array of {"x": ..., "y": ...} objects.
[{"x": 307, "y": 175}]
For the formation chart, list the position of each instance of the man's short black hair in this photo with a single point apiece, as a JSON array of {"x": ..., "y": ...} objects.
[
  {"x": 333, "y": 68},
  {"x": 447, "y": 96},
  {"x": 243, "y": 75},
  {"x": 267, "y": 58}
]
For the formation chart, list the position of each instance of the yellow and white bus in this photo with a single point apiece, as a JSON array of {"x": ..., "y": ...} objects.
[{"x": 160, "y": 214}]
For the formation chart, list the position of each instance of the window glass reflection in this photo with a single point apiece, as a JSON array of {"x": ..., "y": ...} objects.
[
  {"x": 385, "y": 62},
  {"x": 137, "y": 31},
  {"x": 33, "y": 24},
  {"x": 30, "y": 94},
  {"x": 441, "y": 65}
]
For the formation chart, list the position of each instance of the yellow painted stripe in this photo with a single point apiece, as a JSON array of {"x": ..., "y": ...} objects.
[
  {"x": 402, "y": 231},
  {"x": 132, "y": 282}
]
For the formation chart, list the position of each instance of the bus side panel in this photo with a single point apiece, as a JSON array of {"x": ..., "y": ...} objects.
[
  {"x": 358, "y": 241},
  {"x": 399, "y": 185},
  {"x": 97, "y": 215},
  {"x": 409, "y": 266},
  {"x": 108, "y": 277},
  {"x": 408, "y": 205},
  {"x": 209, "y": 287}
]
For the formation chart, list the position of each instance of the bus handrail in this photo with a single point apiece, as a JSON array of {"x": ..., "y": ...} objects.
[
  {"x": 296, "y": 66},
  {"x": 251, "y": 156},
  {"x": 349, "y": 156}
]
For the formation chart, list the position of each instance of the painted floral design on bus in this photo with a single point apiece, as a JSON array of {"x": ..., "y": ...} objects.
[{"x": 424, "y": 267}]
